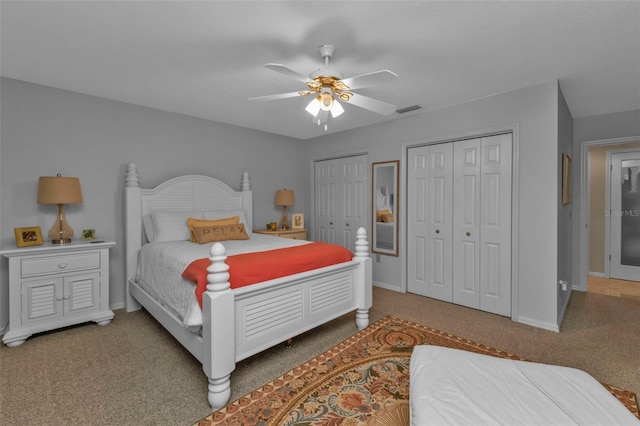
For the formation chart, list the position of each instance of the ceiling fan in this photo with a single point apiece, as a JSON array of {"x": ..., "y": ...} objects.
[{"x": 329, "y": 88}]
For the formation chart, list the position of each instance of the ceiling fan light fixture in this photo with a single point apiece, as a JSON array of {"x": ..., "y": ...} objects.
[
  {"x": 337, "y": 110},
  {"x": 314, "y": 107},
  {"x": 326, "y": 101}
]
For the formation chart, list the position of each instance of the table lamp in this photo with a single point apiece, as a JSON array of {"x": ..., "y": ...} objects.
[
  {"x": 284, "y": 198},
  {"x": 59, "y": 190}
]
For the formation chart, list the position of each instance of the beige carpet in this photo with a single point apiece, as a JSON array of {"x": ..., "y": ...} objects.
[
  {"x": 132, "y": 371},
  {"x": 363, "y": 380}
]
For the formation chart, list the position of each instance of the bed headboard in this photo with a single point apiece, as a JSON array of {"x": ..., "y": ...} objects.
[{"x": 183, "y": 193}]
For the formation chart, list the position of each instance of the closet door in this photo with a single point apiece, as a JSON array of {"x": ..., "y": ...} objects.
[
  {"x": 352, "y": 206},
  {"x": 440, "y": 222},
  {"x": 459, "y": 222},
  {"x": 340, "y": 199},
  {"x": 482, "y": 224},
  {"x": 466, "y": 218},
  {"x": 429, "y": 215},
  {"x": 325, "y": 184},
  {"x": 495, "y": 225},
  {"x": 417, "y": 161}
]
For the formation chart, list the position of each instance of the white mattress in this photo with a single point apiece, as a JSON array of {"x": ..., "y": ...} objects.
[
  {"x": 455, "y": 387},
  {"x": 160, "y": 267}
]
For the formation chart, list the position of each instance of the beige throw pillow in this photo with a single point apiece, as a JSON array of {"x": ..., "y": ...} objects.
[
  {"x": 207, "y": 234},
  {"x": 193, "y": 221}
]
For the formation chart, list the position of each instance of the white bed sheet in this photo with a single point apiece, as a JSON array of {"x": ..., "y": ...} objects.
[
  {"x": 161, "y": 265},
  {"x": 456, "y": 387}
]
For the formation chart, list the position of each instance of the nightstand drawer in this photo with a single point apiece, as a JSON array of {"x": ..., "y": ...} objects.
[
  {"x": 294, "y": 234},
  {"x": 302, "y": 235},
  {"x": 52, "y": 264}
]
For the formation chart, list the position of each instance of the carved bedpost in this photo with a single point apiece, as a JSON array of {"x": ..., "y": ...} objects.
[
  {"x": 132, "y": 227},
  {"x": 218, "y": 360},
  {"x": 247, "y": 197},
  {"x": 246, "y": 185},
  {"x": 365, "y": 279}
]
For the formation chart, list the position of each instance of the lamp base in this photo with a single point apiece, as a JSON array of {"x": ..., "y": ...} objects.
[
  {"x": 62, "y": 241},
  {"x": 284, "y": 223},
  {"x": 60, "y": 232}
]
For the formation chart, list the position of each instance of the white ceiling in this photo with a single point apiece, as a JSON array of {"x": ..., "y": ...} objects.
[{"x": 205, "y": 58}]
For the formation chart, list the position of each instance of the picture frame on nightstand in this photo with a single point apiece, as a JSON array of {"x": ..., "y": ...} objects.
[
  {"x": 30, "y": 236},
  {"x": 297, "y": 221}
]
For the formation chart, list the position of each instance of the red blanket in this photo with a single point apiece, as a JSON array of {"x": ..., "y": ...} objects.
[{"x": 251, "y": 268}]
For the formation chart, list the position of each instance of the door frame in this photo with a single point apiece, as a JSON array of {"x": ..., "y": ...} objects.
[
  {"x": 514, "y": 129},
  {"x": 585, "y": 201},
  {"x": 607, "y": 219}
]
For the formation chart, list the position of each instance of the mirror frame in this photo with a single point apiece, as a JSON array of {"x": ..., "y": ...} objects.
[{"x": 391, "y": 183}]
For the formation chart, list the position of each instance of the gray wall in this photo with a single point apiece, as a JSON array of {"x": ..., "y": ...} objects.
[
  {"x": 533, "y": 111},
  {"x": 565, "y": 146},
  {"x": 45, "y": 131}
]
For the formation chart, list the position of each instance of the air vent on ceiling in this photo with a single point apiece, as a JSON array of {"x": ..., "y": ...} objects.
[{"x": 407, "y": 109}]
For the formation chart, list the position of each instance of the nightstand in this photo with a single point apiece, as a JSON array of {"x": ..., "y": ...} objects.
[
  {"x": 296, "y": 234},
  {"x": 53, "y": 286}
]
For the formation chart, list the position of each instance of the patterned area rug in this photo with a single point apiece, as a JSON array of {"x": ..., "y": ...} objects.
[{"x": 362, "y": 381}]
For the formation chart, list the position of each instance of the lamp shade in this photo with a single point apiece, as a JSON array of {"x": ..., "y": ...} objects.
[
  {"x": 59, "y": 190},
  {"x": 284, "y": 197}
]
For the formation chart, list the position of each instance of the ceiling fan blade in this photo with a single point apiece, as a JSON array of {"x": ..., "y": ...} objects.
[
  {"x": 280, "y": 96},
  {"x": 371, "y": 104},
  {"x": 283, "y": 69},
  {"x": 375, "y": 78}
]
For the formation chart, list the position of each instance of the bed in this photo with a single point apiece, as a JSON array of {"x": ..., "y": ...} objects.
[
  {"x": 236, "y": 323},
  {"x": 457, "y": 387}
]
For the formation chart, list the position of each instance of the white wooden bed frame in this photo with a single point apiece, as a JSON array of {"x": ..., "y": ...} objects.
[{"x": 265, "y": 314}]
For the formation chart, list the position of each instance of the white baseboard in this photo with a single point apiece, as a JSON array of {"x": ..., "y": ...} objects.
[
  {"x": 388, "y": 286},
  {"x": 115, "y": 306},
  {"x": 538, "y": 324},
  {"x": 597, "y": 274}
]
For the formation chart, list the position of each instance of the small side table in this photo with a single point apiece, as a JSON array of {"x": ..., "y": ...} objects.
[
  {"x": 53, "y": 286},
  {"x": 296, "y": 234}
]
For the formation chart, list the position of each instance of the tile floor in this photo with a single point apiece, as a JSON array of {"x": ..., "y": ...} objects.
[{"x": 613, "y": 287}]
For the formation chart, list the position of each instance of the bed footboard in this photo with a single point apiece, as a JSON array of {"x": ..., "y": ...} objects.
[{"x": 287, "y": 307}]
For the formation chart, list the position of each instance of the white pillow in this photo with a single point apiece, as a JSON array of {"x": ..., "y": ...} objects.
[
  {"x": 147, "y": 225},
  {"x": 221, "y": 214},
  {"x": 172, "y": 225}
]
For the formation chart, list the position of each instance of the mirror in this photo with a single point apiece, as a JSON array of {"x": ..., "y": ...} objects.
[{"x": 384, "y": 198}]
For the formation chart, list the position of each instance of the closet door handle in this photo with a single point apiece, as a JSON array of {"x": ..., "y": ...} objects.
[
  {"x": 437, "y": 231},
  {"x": 468, "y": 234}
]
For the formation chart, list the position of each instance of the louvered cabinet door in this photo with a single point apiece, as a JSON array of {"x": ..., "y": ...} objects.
[
  {"x": 42, "y": 300},
  {"x": 81, "y": 293}
]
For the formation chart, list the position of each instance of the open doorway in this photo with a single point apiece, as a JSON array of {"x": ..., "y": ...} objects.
[{"x": 595, "y": 226}]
